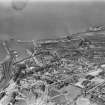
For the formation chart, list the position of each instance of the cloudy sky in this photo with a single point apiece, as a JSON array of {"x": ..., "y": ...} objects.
[{"x": 47, "y": 19}]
